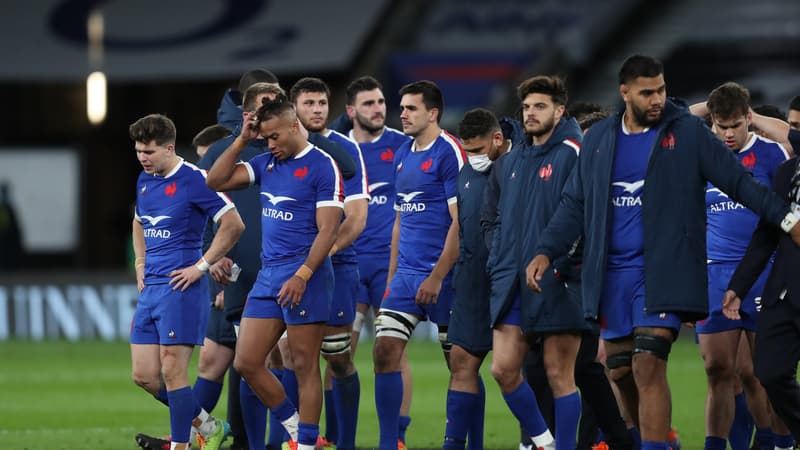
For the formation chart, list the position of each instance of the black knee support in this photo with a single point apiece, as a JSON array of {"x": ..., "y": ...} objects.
[
  {"x": 655, "y": 345},
  {"x": 617, "y": 360}
]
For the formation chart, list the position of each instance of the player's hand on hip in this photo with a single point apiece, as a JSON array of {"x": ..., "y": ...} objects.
[
  {"x": 183, "y": 278},
  {"x": 428, "y": 292},
  {"x": 535, "y": 270},
  {"x": 731, "y": 304},
  {"x": 292, "y": 291},
  {"x": 221, "y": 271}
]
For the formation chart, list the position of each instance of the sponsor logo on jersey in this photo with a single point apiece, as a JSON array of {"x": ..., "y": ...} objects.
[
  {"x": 170, "y": 189},
  {"x": 154, "y": 220},
  {"x": 407, "y": 206},
  {"x": 144, "y": 188},
  {"x": 275, "y": 199},
  {"x": 622, "y": 201},
  {"x": 725, "y": 204},
  {"x": 155, "y": 232}
]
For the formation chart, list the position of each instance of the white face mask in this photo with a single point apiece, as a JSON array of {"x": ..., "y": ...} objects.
[{"x": 481, "y": 163}]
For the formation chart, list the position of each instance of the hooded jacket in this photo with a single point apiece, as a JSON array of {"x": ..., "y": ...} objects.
[
  {"x": 685, "y": 156},
  {"x": 530, "y": 180}
]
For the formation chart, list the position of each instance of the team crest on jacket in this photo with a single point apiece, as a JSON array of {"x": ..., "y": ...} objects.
[
  {"x": 545, "y": 172},
  {"x": 668, "y": 142}
]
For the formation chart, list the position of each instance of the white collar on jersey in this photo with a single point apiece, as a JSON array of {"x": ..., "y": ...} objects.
[
  {"x": 174, "y": 169},
  {"x": 625, "y": 129},
  {"x": 304, "y": 151},
  {"x": 353, "y": 138},
  {"x": 427, "y": 147},
  {"x": 750, "y": 141}
]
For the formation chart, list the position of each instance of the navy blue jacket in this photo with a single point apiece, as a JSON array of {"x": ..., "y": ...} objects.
[
  {"x": 247, "y": 251},
  {"x": 530, "y": 181},
  {"x": 684, "y": 158},
  {"x": 229, "y": 113},
  {"x": 469, "y": 275}
]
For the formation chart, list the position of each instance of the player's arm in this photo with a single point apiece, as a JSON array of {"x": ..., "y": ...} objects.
[
  {"x": 139, "y": 249},
  {"x": 228, "y": 232},
  {"x": 226, "y": 174},
  {"x": 775, "y": 129},
  {"x": 394, "y": 249},
  {"x": 429, "y": 289},
  {"x": 355, "y": 219},
  {"x": 328, "y": 219},
  {"x": 699, "y": 109}
]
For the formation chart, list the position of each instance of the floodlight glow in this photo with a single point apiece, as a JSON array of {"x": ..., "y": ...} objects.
[{"x": 96, "y": 97}]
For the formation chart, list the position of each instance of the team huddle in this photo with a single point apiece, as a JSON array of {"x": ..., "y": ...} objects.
[{"x": 572, "y": 245}]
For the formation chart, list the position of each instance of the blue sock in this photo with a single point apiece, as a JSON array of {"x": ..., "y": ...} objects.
[
  {"x": 181, "y": 413},
  {"x": 715, "y": 443},
  {"x": 475, "y": 434},
  {"x": 522, "y": 403},
  {"x": 254, "y": 416},
  {"x": 347, "y": 392},
  {"x": 637, "y": 438},
  {"x": 162, "y": 396},
  {"x": 331, "y": 425},
  {"x": 405, "y": 421},
  {"x": 742, "y": 426},
  {"x": 460, "y": 408},
  {"x": 276, "y": 430},
  {"x": 307, "y": 433},
  {"x": 650, "y": 445},
  {"x": 388, "y": 398},
  {"x": 207, "y": 393},
  {"x": 568, "y": 415},
  {"x": 764, "y": 438},
  {"x": 289, "y": 382},
  {"x": 783, "y": 440}
]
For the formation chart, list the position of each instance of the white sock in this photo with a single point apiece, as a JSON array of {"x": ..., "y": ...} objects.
[
  {"x": 207, "y": 424},
  {"x": 544, "y": 440},
  {"x": 173, "y": 445},
  {"x": 305, "y": 447},
  {"x": 291, "y": 425}
]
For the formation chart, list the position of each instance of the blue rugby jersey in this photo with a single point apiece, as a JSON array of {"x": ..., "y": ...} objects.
[
  {"x": 730, "y": 225},
  {"x": 379, "y": 161},
  {"x": 626, "y": 243},
  {"x": 291, "y": 191},
  {"x": 173, "y": 211},
  {"x": 355, "y": 188},
  {"x": 426, "y": 184}
]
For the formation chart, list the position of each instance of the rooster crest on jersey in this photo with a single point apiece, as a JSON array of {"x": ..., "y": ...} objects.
[
  {"x": 170, "y": 190},
  {"x": 387, "y": 155},
  {"x": 301, "y": 173},
  {"x": 426, "y": 165}
]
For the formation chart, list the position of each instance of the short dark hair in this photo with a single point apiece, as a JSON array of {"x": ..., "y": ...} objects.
[
  {"x": 153, "y": 127},
  {"x": 477, "y": 122},
  {"x": 254, "y": 76},
  {"x": 210, "y": 134},
  {"x": 274, "y": 108},
  {"x": 729, "y": 100},
  {"x": 250, "y": 95},
  {"x": 636, "y": 66},
  {"x": 309, "y": 84},
  {"x": 590, "y": 119},
  {"x": 431, "y": 95},
  {"x": 770, "y": 111},
  {"x": 544, "y": 84},
  {"x": 795, "y": 103},
  {"x": 581, "y": 109},
  {"x": 361, "y": 84}
]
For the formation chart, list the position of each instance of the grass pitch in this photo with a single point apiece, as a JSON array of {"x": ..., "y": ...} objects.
[{"x": 78, "y": 396}]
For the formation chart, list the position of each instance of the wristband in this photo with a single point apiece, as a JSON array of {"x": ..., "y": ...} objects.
[
  {"x": 789, "y": 221},
  {"x": 139, "y": 261},
  {"x": 304, "y": 272},
  {"x": 203, "y": 265}
]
